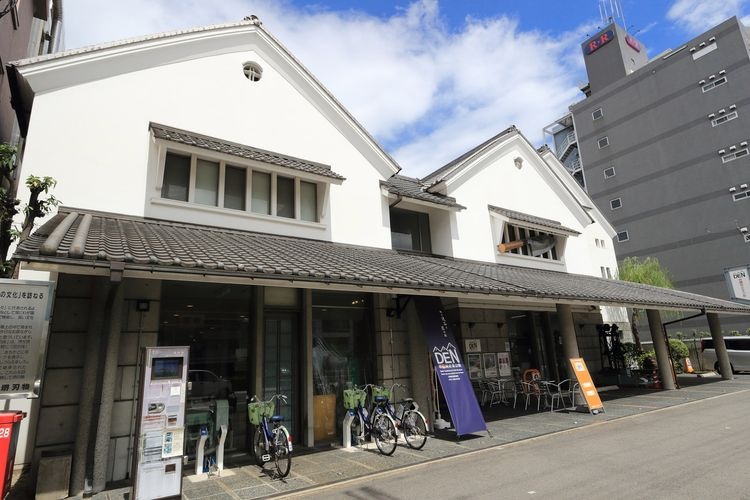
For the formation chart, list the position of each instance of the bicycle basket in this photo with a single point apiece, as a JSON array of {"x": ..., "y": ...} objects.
[
  {"x": 381, "y": 392},
  {"x": 353, "y": 397},
  {"x": 259, "y": 409}
]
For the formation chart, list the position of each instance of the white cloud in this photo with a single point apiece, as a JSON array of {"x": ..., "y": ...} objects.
[
  {"x": 696, "y": 16},
  {"x": 427, "y": 93}
]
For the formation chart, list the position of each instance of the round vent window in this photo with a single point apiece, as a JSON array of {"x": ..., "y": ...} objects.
[{"x": 252, "y": 70}]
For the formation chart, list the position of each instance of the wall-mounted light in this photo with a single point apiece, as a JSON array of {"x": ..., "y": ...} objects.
[
  {"x": 743, "y": 186},
  {"x": 722, "y": 151},
  {"x": 142, "y": 305},
  {"x": 743, "y": 229},
  {"x": 518, "y": 161},
  {"x": 732, "y": 189},
  {"x": 712, "y": 115},
  {"x": 723, "y": 72}
]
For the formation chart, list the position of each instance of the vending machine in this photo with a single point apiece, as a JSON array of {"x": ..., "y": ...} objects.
[{"x": 160, "y": 428}]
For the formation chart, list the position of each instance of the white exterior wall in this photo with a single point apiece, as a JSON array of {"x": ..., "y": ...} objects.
[
  {"x": 495, "y": 180},
  {"x": 102, "y": 158}
]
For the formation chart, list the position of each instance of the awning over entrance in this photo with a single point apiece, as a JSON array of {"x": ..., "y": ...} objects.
[{"x": 80, "y": 241}]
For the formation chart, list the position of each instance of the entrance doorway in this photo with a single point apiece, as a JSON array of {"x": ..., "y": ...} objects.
[{"x": 281, "y": 357}]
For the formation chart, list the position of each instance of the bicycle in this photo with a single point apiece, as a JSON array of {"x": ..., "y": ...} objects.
[
  {"x": 408, "y": 418},
  {"x": 270, "y": 443},
  {"x": 378, "y": 425}
]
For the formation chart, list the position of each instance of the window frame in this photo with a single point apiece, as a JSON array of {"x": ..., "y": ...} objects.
[
  {"x": 708, "y": 87},
  {"x": 612, "y": 204},
  {"x": 194, "y": 154},
  {"x": 423, "y": 230},
  {"x": 555, "y": 254},
  {"x": 734, "y": 155},
  {"x": 623, "y": 232},
  {"x": 728, "y": 117},
  {"x": 601, "y": 114},
  {"x": 599, "y": 142},
  {"x": 614, "y": 173},
  {"x": 742, "y": 195}
]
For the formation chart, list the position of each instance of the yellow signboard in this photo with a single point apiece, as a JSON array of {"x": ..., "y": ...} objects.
[{"x": 587, "y": 385}]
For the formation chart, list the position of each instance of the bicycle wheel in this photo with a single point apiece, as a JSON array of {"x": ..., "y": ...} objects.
[
  {"x": 415, "y": 429},
  {"x": 258, "y": 446},
  {"x": 384, "y": 433},
  {"x": 282, "y": 457},
  {"x": 356, "y": 430}
]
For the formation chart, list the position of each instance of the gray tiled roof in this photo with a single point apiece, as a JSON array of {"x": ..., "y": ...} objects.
[
  {"x": 94, "y": 239},
  {"x": 240, "y": 150},
  {"x": 400, "y": 185},
  {"x": 521, "y": 217}
]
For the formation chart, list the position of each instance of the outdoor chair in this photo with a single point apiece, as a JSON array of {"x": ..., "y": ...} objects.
[
  {"x": 485, "y": 391},
  {"x": 496, "y": 392},
  {"x": 532, "y": 390},
  {"x": 558, "y": 392}
]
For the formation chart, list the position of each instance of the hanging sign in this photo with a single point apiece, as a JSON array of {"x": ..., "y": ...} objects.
[
  {"x": 457, "y": 388},
  {"x": 738, "y": 282},
  {"x": 25, "y": 308},
  {"x": 587, "y": 385}
]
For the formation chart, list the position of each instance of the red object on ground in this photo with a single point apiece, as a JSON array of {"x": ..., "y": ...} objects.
[{"x": 9, "y": 424}]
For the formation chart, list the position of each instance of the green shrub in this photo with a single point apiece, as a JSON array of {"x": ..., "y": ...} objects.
[{"x": 678, "y": 351}]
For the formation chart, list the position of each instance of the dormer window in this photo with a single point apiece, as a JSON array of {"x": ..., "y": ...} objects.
[
  {"x": 519, "y": 240},
  {"x": 193, "y": 179},
  {"x": 208, "y": 173},
  {"x": 410, "y": 230}
]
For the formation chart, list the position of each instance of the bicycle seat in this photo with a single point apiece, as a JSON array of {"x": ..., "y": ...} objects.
[
  {"x": 380, "y": 399},
  {"x": 408, "y": 400},
  {"x": 277, "y": 418}
]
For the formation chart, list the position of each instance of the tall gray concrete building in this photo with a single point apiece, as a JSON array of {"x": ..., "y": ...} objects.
[{"x": 661, "y": 146}]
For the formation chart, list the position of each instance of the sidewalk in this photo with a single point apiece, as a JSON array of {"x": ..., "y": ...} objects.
[{"x": 505, "y": 424}]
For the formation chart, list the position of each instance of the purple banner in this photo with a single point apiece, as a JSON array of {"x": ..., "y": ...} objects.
[{"x": 459, "y": 394}]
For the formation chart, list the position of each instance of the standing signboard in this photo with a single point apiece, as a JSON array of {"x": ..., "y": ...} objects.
[
  {"x": 25, "y": 311},
  {"x": 590, "y": 394},
  {"x": 459, "y": 393},
  {"x": 157, "y": 462}
]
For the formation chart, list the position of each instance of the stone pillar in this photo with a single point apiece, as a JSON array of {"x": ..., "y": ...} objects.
[
  {"x": 307, "y": 363},
  {"x": 111, "y": 353},
  {"x": 568, "y": 334},
  {"x": 550, "y": 347},
  {"x": 88, "y": 385},
  {"x": 661, "y": 349},
  {"x": 720, "y": 347}
]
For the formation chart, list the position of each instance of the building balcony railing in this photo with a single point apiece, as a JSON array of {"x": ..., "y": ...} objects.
[{"x": 574, "y": 166}]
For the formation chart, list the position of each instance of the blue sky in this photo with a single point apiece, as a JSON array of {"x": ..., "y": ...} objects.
[{"x": 429, "y": 79}]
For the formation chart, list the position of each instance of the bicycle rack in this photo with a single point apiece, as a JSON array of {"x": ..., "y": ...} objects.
[{"x": 347, "y": 430}]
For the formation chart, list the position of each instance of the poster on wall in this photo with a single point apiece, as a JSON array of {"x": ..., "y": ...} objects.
[
  {"x": 489, "y": 360},
  {"x": 474, "y": 365},
  {"x": 738, "y": 282},
  {"x": 503, "y": 365},
  {"x": 25, "y": 308},
  {"x": 473, "y": 345}
]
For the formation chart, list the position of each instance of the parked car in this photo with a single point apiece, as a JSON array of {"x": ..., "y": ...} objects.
[
  {"x": 738, "y": 349},
  {"x": 205, "y": 384}
]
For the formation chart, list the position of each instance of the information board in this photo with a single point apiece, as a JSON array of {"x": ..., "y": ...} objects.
[
  {"x": 587, "y": 385},
  {"x": 25, "y": 310},
  {"x": 738, "y": 282}
]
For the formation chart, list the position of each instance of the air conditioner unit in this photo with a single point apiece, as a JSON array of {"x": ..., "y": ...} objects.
[
  {"x": 722, "y": 111},
  {"x": 723, "y": 72},
  {"x": 702, "y": 44},
  {"x": 712, "y": 77},
  {"x": 743, "y": 229},
  {"x": 743, "y": 186},
  {"x": 732, "y": 148},
  {"x": 743, "y": 143},
  {"x": 692, "y": 49},
  {"x": 733, "y": 106},
  {"x": 722, "y": 151},
  {"x": 712, "y": 115},
  {"x": 712, "y": 39},
  {"x": 701, "y": 82}
]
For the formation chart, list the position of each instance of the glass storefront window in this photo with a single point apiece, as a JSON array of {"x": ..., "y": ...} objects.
[
  {"x": 213, "y": 320},
  {"x": 342, "y": 355}
]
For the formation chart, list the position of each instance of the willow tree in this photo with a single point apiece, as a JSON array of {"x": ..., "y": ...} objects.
[{"x": 647, "y": 272}]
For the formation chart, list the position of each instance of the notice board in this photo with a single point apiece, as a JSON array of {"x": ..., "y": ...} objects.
[{"x": 587, "y": 385}]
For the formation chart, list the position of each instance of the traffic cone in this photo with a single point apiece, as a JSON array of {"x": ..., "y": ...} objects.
[{"x": 688, "y": 366}]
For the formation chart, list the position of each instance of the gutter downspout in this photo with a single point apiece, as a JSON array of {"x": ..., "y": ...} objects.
[{"x": 54, "y": 32}]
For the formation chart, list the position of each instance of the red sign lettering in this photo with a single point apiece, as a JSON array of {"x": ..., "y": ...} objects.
[{"x": 598, "y": 41}]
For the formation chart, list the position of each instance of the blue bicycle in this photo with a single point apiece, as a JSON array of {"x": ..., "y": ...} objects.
[
  {"x": 271, "y": 443},
  {"x": 377, "y": 425}
]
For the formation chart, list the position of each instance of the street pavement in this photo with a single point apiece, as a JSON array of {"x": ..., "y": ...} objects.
[
  {"x": 696, "y": 450},
  {"x": 647, "y": 444}
]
